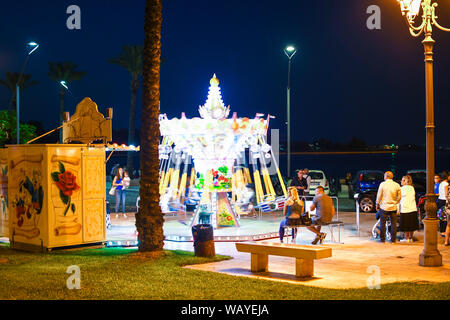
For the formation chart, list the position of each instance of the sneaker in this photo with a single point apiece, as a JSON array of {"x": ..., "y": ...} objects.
[
  {"x": 281, "y": 241},
  {"x": 316, "y": 239},
  {"x": 125, "y": 216},
  {"x": 405, "y": 240},
  {"x": 322, "y": 237}
]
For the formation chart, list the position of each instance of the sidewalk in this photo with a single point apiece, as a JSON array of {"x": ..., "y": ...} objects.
[{"x": 348, "y": 267}]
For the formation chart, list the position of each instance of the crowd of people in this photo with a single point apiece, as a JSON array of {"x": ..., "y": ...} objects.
[
  {"x": 399, "y": 202},
  {"x": 395, "y": 203}
]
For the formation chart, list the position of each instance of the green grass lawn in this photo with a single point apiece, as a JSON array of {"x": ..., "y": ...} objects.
[{"x": 125, "y": 274}]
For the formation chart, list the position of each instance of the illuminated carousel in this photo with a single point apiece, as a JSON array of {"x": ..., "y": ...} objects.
[{"x": 204, "y": 164}]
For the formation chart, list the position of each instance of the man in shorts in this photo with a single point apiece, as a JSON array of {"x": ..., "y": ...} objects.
[
  {"x": 325, "y": 211},
  {"x": 388, "y": 198}
]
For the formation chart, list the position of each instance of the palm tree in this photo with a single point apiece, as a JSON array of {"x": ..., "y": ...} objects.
[
  {"x": 63, "y": 71},
  {"x": 149, "y": 219},
  {"x": 12, "y": 79},
  {"x": 131, "y": 60}
]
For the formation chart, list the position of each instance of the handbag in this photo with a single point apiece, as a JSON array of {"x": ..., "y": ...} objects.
[
  {"x": 306, "y": 219},
  {"x": 112, "y": 191}
]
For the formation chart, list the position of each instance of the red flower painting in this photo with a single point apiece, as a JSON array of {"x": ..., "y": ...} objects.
[{"x": 66, "y": 182}]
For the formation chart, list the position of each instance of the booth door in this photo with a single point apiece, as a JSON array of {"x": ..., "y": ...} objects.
[{"x": 94, "y": 195}]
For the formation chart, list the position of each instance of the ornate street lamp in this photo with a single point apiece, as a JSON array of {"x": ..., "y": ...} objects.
[
  {"x": 430, "y": 256},
  {"x": 290, "y": 51}
]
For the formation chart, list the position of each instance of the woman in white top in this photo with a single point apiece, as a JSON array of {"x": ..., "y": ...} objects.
[
  {"x": 409, "y": 220},
  {"x": 443, "y": 191}
]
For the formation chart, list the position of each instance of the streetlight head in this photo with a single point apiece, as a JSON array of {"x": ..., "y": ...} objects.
[
  {"x": 64, "y": 84},
  {"x": 34, "y": 46},
  {"x": 290, "y": 49},
  {"x": 410, "y": 8}
]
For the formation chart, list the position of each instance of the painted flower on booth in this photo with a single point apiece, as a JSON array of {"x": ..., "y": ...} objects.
[{"x": 66, "y": 182}]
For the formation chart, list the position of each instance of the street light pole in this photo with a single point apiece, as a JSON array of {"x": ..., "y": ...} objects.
[
  {"x": 35, "y": 46},
  {"x": 290, "y": 52},
  {"x": 430, "y": 256},
  {"x": 64, "y": 85}
]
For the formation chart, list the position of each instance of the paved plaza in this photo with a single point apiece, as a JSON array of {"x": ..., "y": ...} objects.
[{"x": 355, "y": 261}]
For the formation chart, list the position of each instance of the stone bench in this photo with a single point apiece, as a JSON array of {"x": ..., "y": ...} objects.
[{"x": 304, "y": 255}]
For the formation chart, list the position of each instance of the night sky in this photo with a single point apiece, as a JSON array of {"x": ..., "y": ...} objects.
[{"x": 346, "y": 80}]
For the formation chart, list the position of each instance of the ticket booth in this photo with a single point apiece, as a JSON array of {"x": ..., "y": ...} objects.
[
  {"x": 57, "y": 195},
  {"x": 57, "y": 192}
]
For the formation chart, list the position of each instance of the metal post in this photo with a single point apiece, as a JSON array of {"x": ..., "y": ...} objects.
[
  {"x": 289, "y": 121},
  {"x": 17, "y": 113},
  {"x": 430, "y": 255}
]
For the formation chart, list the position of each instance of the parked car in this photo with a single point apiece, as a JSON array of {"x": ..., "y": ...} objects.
[
  {"x": 318, "y": 178},
  {"x": 365, "y": 188}
]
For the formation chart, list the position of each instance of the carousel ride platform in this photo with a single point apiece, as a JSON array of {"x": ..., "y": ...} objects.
[{"x": 177, "y": 228}]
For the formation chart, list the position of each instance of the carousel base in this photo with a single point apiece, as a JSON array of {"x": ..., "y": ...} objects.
[{"x": 178, "y": 229}]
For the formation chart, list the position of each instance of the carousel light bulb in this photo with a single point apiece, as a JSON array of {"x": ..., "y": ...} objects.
[{"x": 266, "y": 148}]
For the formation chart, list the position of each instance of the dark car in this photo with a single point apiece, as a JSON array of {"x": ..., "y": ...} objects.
[{"x": 365, "y": 188}]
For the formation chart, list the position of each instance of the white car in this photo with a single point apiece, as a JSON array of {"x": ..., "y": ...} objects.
[{"x": 318, "y": 178}]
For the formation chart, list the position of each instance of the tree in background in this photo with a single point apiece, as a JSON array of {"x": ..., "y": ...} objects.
[
  {"x": 149, "y": 219},
  {"x": 63, "y": 71},
  {"x": 11, "y": 80},
  {"x": 131, "y": 59},
  {"x": 8, "y": 129}
]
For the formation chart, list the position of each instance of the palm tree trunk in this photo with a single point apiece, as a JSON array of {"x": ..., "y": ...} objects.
[
  {"x": 131, "y": 124},
  {"x": 61, "y": 111},
  {"x": 149, "y": 219}
]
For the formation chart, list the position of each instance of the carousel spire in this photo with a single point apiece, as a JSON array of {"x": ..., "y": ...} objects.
[{"x": 214, "y": 107}]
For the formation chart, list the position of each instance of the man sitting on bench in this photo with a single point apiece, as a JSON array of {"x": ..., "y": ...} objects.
[{"x": 325, "y": 211}]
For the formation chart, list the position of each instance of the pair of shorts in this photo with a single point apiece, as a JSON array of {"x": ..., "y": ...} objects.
[{"x": 317, "y": 221}]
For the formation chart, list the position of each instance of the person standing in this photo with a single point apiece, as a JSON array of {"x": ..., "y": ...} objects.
[
  {"x": 293, "y": 210},
  {"x": 308, "y": 180},
  {"x": 388, "y": 198},
  {"x": 443, "y": 191},
  {"x": 120, "y": 193},
  {"x": 299, "y": 183},
  {"x": 348, "y": 182},
  {"x": 409, "y": 220},
  {"x": 447, "y": 212},
  {"x": 325, "y": 211},
  {"x": 437, "y": 182}
]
